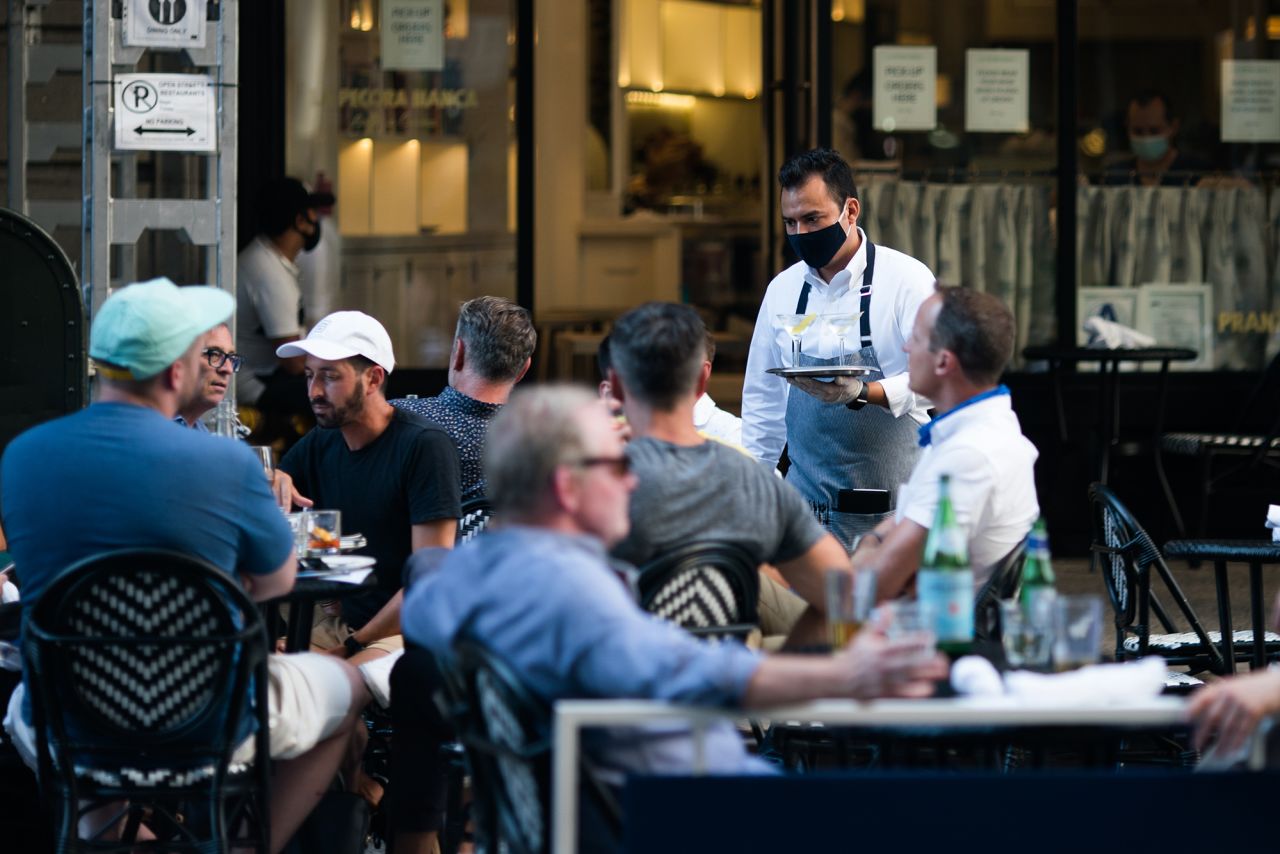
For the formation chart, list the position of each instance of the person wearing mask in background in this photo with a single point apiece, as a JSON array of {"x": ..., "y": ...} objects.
[
  {"x": 269, "y": 307},
  {"x": 1152, "y": 125}
]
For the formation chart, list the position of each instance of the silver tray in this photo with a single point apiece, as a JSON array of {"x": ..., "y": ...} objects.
[{"x": 821, "y": 371}]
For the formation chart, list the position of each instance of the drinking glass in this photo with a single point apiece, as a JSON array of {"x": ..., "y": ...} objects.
[
  {"x": 298, "y": 525},
  {"x": 850, "y": 598},
  {"x": 1077, "y": 631},
  {"x": 911, "y": 621},
  {"x": 796, "y": 324},
  {"x": 267, "y": 458},
  {"x": 324, "y": 531},
  {"x": 1027, "y": 637},
  {"x": 842, "y": 326}
]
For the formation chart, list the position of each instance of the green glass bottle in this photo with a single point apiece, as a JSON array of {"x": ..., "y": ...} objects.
[
  {"x": 1037, "y": 573},
  {"x": 945, "y": 583}
]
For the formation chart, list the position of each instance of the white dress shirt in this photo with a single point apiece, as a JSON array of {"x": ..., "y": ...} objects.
[
  {"x": 899, "y": 284},
  {"x": 993, "y": 487}
]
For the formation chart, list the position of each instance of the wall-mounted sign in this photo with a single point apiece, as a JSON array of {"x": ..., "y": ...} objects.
[
  {"x": 165, "y": 112},
  {"x": 997, "y": 89},
  {"x": 412, "y": 35},
  {"x": 905, "y": 94},
  {"x": 164, "y": 23},
  {"x": 1251, "y": 100}
]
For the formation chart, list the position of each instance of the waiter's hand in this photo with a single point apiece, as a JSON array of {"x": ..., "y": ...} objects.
[{"x": 838, "y": 390}]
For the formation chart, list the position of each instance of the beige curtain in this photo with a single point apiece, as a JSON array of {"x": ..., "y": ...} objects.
[{"x": 993, "y": 237}]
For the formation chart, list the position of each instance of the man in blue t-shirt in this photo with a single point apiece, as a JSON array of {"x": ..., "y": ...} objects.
[{"x": 120, "y": 474}]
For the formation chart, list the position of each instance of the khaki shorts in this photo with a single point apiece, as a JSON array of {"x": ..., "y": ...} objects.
[
  {"x": 329, "y": 630},
  {"x": 308, "y": 698}
]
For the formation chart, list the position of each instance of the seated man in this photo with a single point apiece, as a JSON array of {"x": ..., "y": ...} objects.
[
  {"x": 540, "y": 593},
  {"x": 492, "y": 349},
  {"x": 393, "y": 474},
  {"x": 137, "y": 482},
  {"x": 960, "y": 344},
  {"x": 694, "y": 489},
  {"x": 218, "y": 361}
]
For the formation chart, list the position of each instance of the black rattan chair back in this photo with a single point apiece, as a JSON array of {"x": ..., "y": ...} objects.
[
  {"x": 710, "y": 588},
  {"x": 143, "y": 665},
  {"x": 1005, "y": 583},
  {"x": 1125, "y": 555},
  {"x": 476, "y": 516},
  {"x": 506, "y": 732}
]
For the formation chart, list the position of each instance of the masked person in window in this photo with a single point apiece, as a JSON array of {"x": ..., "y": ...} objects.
[
  {"x": 1152, "y": 125},
  {"x": 269, "y": 307},
  {"x": 850, "y": 439}
]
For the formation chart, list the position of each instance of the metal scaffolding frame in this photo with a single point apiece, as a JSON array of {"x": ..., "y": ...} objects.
[{"x": 119, "y": 221}]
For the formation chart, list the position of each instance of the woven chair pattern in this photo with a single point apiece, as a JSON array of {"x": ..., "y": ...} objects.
[
  {"x": 135, "y": 685},
  {"x": 700, "y": 598},
  {"x": 476, "y": 515},
  {"x": 506, "y": 733}
]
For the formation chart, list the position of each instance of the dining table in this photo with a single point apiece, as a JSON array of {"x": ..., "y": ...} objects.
[
  {"x": 943, "y": 716},
  {"x": 309, "y": 589}
]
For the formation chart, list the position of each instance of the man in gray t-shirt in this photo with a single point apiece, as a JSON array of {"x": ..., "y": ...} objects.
[{"x": 694, "y": 489}]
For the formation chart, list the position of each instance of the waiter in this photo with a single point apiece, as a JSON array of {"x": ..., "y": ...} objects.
[{"x": 851, "y": 440}]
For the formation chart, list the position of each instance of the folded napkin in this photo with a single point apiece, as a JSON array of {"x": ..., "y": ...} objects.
[
  {"x": 1109, "y": 335},
  {"x": 377, "y": 677},
  {"x": 1273, "y": 521},
  {"x": 1098, "y": 684}
]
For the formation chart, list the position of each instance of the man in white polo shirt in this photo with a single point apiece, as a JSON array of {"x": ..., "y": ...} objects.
[{"x": 960, "y": 344}]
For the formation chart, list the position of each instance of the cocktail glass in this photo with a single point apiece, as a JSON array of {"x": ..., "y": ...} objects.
[
  {"x": 842, "y": 326},
  {"x": 796, "y": 324}
]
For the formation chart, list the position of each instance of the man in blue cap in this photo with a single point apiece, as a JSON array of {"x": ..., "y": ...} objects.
[{"x": 138, "y": 481}]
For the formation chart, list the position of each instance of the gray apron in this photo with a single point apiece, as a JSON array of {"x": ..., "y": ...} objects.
[{"x": 832, "y": 447}]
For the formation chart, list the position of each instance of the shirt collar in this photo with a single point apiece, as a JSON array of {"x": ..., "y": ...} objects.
[
  {"x": 842, "y": 280},
  {"x": 944, "y": 425},
  {"x": 289, "y": 266},
  {"x": 455, "y": 399}
]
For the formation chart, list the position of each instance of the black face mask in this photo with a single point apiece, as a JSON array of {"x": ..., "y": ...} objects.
[
  {"x": 817, "y": 248},
  {"x": 312, "y": 240}
]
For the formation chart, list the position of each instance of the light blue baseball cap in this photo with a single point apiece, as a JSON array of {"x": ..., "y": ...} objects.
[{"x": 145, "y": 327}]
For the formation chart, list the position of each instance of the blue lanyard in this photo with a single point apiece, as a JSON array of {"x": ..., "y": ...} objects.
[{"x": 926, "y": 430}]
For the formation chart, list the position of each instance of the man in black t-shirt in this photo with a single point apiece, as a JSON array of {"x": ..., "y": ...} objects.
[{"x": 394, "y": 475}]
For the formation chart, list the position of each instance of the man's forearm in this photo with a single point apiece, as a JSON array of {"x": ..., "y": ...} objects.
[
  {"x": 383, "y": 624},
  {"x": 782, "y": 679}
]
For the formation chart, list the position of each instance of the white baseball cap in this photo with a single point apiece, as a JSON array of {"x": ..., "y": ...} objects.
[{"x": 342, "y": 335}]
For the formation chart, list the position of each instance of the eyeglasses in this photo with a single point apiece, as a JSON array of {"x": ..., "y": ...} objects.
[
  {"x": 621, "y": 465},
  {"x": 217, "y": 358}
]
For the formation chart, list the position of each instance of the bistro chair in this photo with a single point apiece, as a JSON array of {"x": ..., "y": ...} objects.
[
  {"x": 506, "y": 732},
  {"x": 1127, "y": 557},
  {"x": 710, "y": 588},
  {"x": 477, "y": 513},
  {"x": 1242, "y": 459},
  {"x": 1005, "y": 583},
  {"x": 144, "y": 665}
]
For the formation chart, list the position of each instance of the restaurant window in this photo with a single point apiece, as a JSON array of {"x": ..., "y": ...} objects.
[
  {"x": 1179, "y": 114},
  {"x": 426, "y": 163},
  {"x": 946, "y": 110}
]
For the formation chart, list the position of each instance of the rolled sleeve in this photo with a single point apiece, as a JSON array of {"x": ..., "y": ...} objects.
[{"x": 901, "y": 398}]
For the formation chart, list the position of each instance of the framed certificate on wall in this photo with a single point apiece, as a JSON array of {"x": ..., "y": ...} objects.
[
  {"x": 1179, "y": 315},
  {"x": 1116, "y": 304}
]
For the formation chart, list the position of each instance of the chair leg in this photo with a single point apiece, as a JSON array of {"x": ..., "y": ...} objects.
[{"x": 1168, "y": 492}]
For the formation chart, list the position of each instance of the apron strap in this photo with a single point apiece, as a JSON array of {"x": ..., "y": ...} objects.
[
  {"x": 864, "y": 301},
  {"x": 802, "y": 304}
]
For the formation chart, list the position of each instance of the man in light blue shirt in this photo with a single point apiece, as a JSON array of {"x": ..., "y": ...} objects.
[{"x": 540, "y": 593}]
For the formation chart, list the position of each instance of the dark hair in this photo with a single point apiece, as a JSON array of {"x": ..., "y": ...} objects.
[
  {"x": 658, "y": 350},
  {"x": 360, "y": 363},
  {"x": 978, "y": 328},
  {"x": 1147, "y": 96},
  {"x": 710, "y": 347},
  {"x": 835, "y": 173},
  {"x": 604, "y": 359},
  {"x": 500, "y": 337}
]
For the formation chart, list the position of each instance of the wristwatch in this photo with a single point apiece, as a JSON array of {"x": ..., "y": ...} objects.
[
  {"x": 859, "y": 401},
  {"x": 353, "y": 646}
]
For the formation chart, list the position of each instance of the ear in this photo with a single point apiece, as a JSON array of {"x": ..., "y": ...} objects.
[
  {"x": 945, "y": 363},
  {"x": 458, "y": 355},
  {"x": 704, "y": 376},
  {"x": 854, "y": 209},
  {"x": 377, "y": 379},
  {"x": 1173, "y": 127},
  {"x": 565, "y": 489},
  {"x": 524, "y": 369}
]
